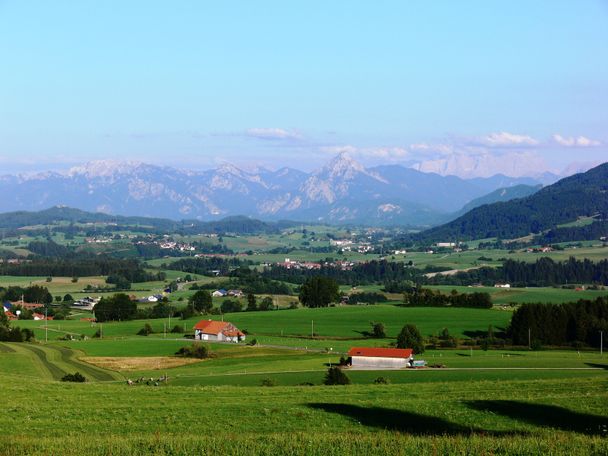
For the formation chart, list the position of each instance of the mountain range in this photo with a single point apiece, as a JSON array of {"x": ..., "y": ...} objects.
[{"x": 342, "y": 191}]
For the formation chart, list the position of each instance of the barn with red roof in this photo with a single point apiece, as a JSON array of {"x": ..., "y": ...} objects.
[
  {"x": 380, "y": 358},
  {"x": 220, "y": 331}
]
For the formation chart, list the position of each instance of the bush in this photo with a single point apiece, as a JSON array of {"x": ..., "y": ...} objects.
[
  {"x": 378, "y": 330},
  {"x": 179, "y": 329},
  {"x": 367, "y": 297},
  {"x": 268, "y": 382},
  {"x": 410, "y": 337},
  {"x": 536, "y": 345},
  {"x": 335, "y": 376},
  {"x": 382, "y": 381},
  {"x": 195, "y": 350},
  {"x": 76, "y": 377},
  {"x": 230, "y": 305},
  {"x": 253, "y": 342},
  {"x": 146, "y": 330}
]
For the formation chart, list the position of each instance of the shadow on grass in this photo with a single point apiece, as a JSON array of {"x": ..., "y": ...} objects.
[
  {"x": 598, "y": 366},
  {"x": 402, "y": 421},
  {"x": 545, "y": 415}
]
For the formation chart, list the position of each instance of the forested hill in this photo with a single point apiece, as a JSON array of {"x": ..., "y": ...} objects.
[
  {"x": 583, "y": 194},
  {"x": 500, "y": 195},
  {"x": 61, "y": 214}
]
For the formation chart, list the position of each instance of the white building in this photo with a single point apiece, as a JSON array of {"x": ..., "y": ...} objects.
[
  {"x": 380, "y": 358},
  {"x": 220, "y": 331}
]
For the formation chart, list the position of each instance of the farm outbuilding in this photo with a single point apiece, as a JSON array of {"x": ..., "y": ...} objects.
[
  {"x": 380, "y": 358},
  {"x": 221, "y": 331}
]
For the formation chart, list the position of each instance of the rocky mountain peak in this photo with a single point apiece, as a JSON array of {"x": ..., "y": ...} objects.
[
  {"x": 105, "y": 168},
  {"x": 342, "y": 166}
]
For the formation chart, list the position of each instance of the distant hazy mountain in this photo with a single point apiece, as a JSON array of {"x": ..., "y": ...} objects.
[
  {"x": 343, "y": 191},
  {"x": 500, "y": 195},
  {"x": 58, "y": 214},
  {"x": 584, "y": 194}
]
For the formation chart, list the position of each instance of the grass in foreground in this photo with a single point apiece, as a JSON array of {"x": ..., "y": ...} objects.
[{"x": 458, "y": 417}]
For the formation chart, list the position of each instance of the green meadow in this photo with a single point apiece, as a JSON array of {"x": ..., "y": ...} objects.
[
  {"x": 331, "y": 323},
  {"x": 478, "y": 402},
  {"x": 458, "y": 416}
]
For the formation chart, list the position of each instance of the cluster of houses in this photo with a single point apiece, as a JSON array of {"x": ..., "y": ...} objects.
[
  {"x": 166, "y": 243},
  {"x": 86, "y": 303},
  {"x": 221, "y": 293},
  {"x": 309, "y": 265},
  {"x": 293, "y": 264},
  {"x": 12, "y": 310},
  {"x": 172, "y": 245},
  {"x": 544, "y": 249}
]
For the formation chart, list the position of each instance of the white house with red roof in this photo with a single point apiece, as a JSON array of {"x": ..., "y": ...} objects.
[
  {"x": 380, "y": 358},
  {"x": 220, "y": 331}
]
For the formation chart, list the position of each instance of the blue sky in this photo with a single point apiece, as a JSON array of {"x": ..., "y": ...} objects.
[{"x": 194, "y": 83}]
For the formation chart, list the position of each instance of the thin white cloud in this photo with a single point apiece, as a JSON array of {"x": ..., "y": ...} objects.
[
  {"x": 571, "y": 141},
  {"x": 434, "y": 149},
  {"x": 505, "y": 139},
  {"x": 273, "y": 133},
  {"x": 384, "y": 153},
  {"x": 334, "y": 150}
]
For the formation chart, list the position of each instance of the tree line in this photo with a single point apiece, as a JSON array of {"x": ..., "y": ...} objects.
[
  {"x": 425, "y": 297},
  {"x": 574, "y": 323},
  {"x": 208, "y": 266},
  {"x": 542, "y": 273},
  {"x": 376, "y": 271},
  {"x": 130, "y": 269}
]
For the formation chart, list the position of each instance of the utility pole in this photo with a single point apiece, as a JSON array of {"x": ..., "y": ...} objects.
[
  {"x": 601, "y": 343},
  {"x": 312, "y": 328},
  {"x": 46, "y": 323},
  {"x": 529, "y": 340}
]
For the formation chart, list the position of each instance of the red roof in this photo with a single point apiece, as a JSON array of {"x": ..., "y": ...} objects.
[
  {"x": 28, "y": 305},
  {"x": 217, "y": 327},
  {"x": 211, "y": 326},
  {"x": 381, "y": 352}
]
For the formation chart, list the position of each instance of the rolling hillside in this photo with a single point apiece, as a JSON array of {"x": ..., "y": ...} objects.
[{"x": 580, "y": 195}]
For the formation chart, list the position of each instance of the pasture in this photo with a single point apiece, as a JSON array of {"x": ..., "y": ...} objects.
[
  {"x": 330, "y": 323},
  {"x": 437, "y": 417}
]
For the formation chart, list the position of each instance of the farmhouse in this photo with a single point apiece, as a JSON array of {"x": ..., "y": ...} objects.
[
  {"x": 221, "y": 331},
  {"x": 380, "y": 358},
  {"x": 219, "y": 293}
]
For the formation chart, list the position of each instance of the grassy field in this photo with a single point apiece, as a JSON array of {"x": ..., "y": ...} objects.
[
  {"x": 481, "y": 402},
  {"x": 436, "y": 417},
  {"x": 343, "y": 322}
]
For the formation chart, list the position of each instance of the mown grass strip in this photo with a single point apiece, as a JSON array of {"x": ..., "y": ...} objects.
[
  {"x": 67, "y": 356},
  {"x": 6, "y": 349},
  {"x": 56, "y": 372}
]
